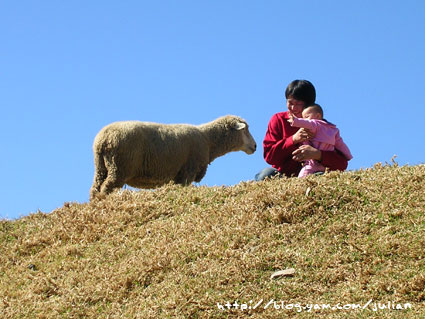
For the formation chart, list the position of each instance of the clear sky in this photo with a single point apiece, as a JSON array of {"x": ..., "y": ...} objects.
[{"x": 68, "y": 68}]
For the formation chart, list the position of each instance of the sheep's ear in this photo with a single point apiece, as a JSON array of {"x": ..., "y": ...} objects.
[{"x": 239, "y": 126}]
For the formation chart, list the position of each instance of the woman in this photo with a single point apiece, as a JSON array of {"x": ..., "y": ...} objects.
[{"x": 282, "y": 143}]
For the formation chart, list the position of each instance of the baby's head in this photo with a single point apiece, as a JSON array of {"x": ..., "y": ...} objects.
[{"x": 313, "y": 112}]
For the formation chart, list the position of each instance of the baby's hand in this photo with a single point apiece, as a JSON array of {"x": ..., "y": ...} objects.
[{"x": 291, "y": 117}]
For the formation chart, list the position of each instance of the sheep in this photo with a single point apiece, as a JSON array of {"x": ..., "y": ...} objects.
[{"x": 148, "y": 155}]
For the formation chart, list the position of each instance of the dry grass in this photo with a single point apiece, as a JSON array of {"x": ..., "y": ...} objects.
[{"x": 176, "y": 252}]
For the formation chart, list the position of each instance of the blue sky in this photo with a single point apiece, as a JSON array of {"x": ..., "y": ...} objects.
[{"x": 68, "y": 68}]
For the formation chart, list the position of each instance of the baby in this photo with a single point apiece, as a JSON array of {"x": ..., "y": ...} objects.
[{"x": 326, "y": 137}]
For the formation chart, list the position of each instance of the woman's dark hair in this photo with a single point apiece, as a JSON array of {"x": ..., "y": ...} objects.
[{"x": 301, "y": 90}]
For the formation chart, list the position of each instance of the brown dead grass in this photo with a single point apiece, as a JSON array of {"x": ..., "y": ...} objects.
[{"x": 178, "y": 251}]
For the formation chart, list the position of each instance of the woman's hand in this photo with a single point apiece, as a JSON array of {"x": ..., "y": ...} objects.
[
  {"x": 302, "y": 135},
  {"x": 306, "y": 152}
]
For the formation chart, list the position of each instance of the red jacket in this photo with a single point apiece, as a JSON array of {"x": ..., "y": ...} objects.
[{"x": 278, "y": 148}]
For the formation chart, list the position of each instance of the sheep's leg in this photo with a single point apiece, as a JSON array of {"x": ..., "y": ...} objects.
[
  {"x": 190, "y": 173},
  {"x": 201, "y": 174},
  {"x": 110, "y": 184},
  {"x": 183, "y": 177},
  {"x": 100, "y": 174},
  {"x": 113, "y": 179},
  {"x": 179, "y": 179}
]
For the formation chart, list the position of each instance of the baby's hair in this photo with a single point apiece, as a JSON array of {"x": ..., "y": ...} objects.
[{"x": 316, "y": 108}]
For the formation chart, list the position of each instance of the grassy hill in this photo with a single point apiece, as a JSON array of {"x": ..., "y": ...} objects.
[{"x": 354, "y": 239}]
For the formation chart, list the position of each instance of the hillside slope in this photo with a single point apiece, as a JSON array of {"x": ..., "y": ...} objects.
[{"x": 354, "y": 238}]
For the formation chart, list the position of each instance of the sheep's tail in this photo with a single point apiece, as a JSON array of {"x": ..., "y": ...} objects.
[{"x": 100, "y": 174}]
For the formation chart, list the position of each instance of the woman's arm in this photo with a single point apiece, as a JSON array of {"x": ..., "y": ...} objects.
[
  {"x": 342, "y": 147},
  {"x": 280, "y": 140},
  {"x": 277, "y": 146},
  {"x": 334, "y": 160}
]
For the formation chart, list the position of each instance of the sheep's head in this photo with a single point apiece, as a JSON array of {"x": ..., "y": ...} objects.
[{"x": 247, "y": 142}]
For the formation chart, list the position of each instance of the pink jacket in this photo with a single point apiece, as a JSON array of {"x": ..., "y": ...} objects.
[{"x": 327, "y": 136}]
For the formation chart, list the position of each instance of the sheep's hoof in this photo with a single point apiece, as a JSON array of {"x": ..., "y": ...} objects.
[{"x": 97, "y": 197}]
